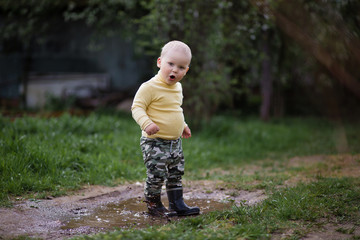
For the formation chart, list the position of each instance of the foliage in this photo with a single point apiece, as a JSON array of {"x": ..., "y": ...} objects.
[
  {"x": 26, "y": 20},
  {"x": 54, "y": 103},
  {"x": 22, "y": 20},
  {"x": 106, "y": 18},
  {"x": 226, "y": 37},
  {"x": 211, "y": 29}
]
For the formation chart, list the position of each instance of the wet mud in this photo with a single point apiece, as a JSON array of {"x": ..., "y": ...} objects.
[
  {"x": 100, "y": 209},
  {"x": 132, "y": 213}
]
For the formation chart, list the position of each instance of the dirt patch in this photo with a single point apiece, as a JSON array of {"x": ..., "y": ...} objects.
[
  {"x": 98, "y": 209},
  {"x": 311, "y": 167},
  {"x": 344, "y": 165},
  {"x": 334, "y": 232}
]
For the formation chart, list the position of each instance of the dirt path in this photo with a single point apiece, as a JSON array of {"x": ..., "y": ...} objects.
[{"x": 98, "y": 208}]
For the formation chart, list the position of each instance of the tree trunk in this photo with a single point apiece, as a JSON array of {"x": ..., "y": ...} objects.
[
  {"x": 266, "y": 80},
  {"x": 27, "y": 61},
  {"x": 277, "y": 101}
]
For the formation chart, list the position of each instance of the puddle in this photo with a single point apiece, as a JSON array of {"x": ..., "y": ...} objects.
[
  {"x": 98, "y": 209},
  {"x": 131, "y": 213}
]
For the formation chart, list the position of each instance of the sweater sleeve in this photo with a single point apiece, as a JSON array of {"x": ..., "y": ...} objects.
[{"x": 140, "y": 104}]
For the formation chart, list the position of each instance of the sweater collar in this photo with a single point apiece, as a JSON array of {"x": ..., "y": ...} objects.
[{"x": 159, "y": 78}]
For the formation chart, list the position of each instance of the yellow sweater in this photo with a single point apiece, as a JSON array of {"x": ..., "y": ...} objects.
[{"x": 159, "y": 103}]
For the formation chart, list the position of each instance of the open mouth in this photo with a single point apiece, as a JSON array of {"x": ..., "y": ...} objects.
[{"x": 172, "y": 77}]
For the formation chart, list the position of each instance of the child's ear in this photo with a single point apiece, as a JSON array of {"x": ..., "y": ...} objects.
[
  {"x": 159, "y": 62},
  {"x": 187, "y": 69}
]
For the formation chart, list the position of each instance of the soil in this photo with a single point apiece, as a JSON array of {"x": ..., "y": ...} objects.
[{"x": 98, "y": 209}]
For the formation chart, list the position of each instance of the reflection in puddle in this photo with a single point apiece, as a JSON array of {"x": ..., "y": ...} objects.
[{"x": 132, "y": 213}]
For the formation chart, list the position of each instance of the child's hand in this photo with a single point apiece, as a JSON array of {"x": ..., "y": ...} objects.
[
  {"x": 152, "y": 129},
  {"x": 186, "y": 133}
]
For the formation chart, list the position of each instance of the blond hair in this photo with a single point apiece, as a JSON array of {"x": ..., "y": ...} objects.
[{"x": 178, "y": 46}]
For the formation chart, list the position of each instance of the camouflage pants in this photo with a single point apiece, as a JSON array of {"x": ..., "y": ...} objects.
[{"x": 164, "y": 161}]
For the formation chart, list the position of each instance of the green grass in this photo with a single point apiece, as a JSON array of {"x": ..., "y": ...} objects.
[
  {"x": 227, "y": 141},
  {"x": 64, "y": 153},
  {"x": 298, "y": 208},
  {"x": 41, "y": 156}
]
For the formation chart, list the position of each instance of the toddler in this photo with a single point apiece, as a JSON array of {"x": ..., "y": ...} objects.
[{"x": 157, "y": 110}]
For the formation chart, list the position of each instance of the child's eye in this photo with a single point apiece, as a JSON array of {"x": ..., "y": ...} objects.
[{"x": 171, "y": 64}]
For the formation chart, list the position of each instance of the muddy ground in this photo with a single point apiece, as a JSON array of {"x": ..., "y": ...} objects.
[{"x": 98, "y": 209}]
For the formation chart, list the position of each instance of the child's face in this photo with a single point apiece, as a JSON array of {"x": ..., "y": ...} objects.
[{"x": 173, "y": 66}]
